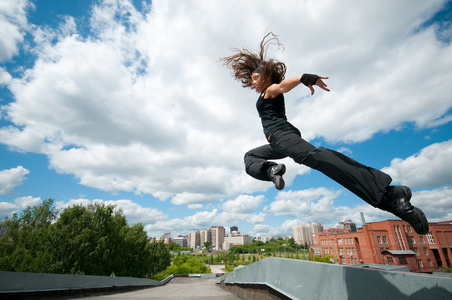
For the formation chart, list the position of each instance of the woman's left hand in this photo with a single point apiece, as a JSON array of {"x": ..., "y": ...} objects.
[{"x": 320, "y": 84}]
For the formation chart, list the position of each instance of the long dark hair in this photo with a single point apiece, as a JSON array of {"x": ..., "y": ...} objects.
[{"x": 245, "y": 62}]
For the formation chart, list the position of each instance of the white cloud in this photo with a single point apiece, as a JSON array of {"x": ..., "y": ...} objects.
[
  {"x": 13, "y": 23},
  {"x": 436, "y": 204},
  {"x": 134, "y": 212},
  {"x": 11, "y": 178},
  {"x": 427, "y": 169},
  {"x": 243, "y": 204},
  {"x": 7, "y": 210},
  {"x": 24, "y": 202},
  {"x": 304, "y": 204},
  {"x": 260, "y": 230},
  {"x": 203, "y": 220}
]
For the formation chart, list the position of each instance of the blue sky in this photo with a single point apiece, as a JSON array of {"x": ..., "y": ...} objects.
[{"x": 126, "y": 102}]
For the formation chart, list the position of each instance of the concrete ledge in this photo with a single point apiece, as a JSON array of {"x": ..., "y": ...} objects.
[
  {"x": 298, "y": 279},
  {"x": 15, "y": 282}
]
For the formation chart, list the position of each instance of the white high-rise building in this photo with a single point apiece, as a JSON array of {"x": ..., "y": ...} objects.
[
  {"x": 302, "y": 234},
  {"x": 218, "y": 233},
  {"x": 194, "y": 240},
  {"x": 206, "y": 236}
]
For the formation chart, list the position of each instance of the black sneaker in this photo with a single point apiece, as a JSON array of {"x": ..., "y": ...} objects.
[
  {"x": 402, "y": 208},
  {"x": 276, "y": 172}
]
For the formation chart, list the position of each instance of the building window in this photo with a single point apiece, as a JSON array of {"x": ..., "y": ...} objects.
[
  {"x": 379, "y": 239},
  {"x": 339, "y": 241},
  {"x": 415, "y": 251},
  {"x": 385, "y": 240},
  {"x": 425, "y": 250},
  {"x": 429, "y": 263},
  {"x": 352, "y": 240},
  {"x": 399, "y": 237},
  {"x": 409, "y": 228},
  {"x": 420, "y": 263},
  {"x": 330, "y": 242},
  {"x": 341, "y": 250},
  {"x": 390, "y": 260},
  {"x": 343, "y": 261},
  {"x": 354, "y": 253},
  {"x": 422, "y": 239},
  {"x": 413, "y": 241},
  {"x": 430, "y": 238},
  {"x": 402, "y": 260},
  {"x": 382, "y": 249}
]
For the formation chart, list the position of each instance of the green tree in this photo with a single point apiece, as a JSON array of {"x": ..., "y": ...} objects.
[
  {"x": 26, "y": 246},
  {"x": 93, "y": 239},
  {"x": 207, "y": 245}
]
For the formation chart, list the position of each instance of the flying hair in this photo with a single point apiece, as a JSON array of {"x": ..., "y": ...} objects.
[{"x": 245, "y": 62}]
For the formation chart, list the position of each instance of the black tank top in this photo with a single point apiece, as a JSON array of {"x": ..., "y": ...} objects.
[{"x": 273, "y": 114}]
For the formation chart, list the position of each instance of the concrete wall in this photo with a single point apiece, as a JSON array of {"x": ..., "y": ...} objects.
[
  {"x": 298, "y": 279},
  {"x": 15, "y": 282}
]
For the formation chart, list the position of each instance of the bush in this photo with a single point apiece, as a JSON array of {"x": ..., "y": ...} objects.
[{"x": 183, "y": 265}]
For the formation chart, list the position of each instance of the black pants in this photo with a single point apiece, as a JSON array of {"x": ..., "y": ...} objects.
[{"x": 367, "y": 183}]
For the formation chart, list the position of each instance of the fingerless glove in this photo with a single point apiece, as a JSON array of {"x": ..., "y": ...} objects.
[{"x": 309, "y": 79}]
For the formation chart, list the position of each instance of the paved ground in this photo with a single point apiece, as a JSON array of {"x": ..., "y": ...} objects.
[
  {"x": 179, "y": 288},
  {"x": 217, "y": 269}
]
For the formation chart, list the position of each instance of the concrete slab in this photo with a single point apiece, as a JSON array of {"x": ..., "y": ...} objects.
[
  {"x": 179, "y": 288},
  {"x": 217, "y": 269}
]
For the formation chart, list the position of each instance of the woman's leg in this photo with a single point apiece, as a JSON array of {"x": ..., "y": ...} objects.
[
  {"x": 367, "y": 183},
  {"x": 257, "y": 164}
]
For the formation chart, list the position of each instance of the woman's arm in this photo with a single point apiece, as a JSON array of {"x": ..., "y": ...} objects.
[{"x": 288, "y": 84}]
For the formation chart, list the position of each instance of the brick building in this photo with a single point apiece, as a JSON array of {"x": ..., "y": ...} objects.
[{"x": 388, "y": 242}]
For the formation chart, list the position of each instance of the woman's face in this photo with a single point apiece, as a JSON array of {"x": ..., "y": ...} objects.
[{"x": 258, "y": 82}]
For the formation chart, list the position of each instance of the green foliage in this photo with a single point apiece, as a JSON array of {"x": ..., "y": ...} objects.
[
  {"x": 91, "y": 240},
  {"x": 446, "y": 270},
  {"x": 183, "y": 265},
  {"x": 207, "y": 245},
  {"x": 175, "y": 247},
  {"x": 273, "y": 246},
  {"x": 324, "y": 259},
  {"x": 228, "y": 268}
]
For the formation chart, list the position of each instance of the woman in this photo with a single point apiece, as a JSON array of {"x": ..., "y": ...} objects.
[{"x": 267, "y": 77}]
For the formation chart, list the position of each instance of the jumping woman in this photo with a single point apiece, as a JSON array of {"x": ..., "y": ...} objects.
[{"x": 267, "y": 77}]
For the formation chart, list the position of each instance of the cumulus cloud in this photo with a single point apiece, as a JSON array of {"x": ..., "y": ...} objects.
[
  {"x": 428, "y": 168},
  {"x": 13, "y": 23},
  {"x": 134, "y": 212},
  {"x": 7, "y": 209},
  {"x": 243, "y": 204},
  {"x": 306, "y": 204},
  {"x": 11, "y": 178},
  {"x": 24, "y": 202}
]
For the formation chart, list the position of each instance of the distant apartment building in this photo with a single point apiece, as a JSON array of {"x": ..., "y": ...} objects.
[
  {"x": 264, "y": 239},
  {"x": 180, "y": 240},
  {"x": 302, "y": 234},
  {"x": 236, "y": 239},
  {"x": 194, "y": 240},
  {"x": 205, "y": 236},
  {"x": 218, "y": 233},
  {"x": 347, "y": 225},
  {"x": 390, "y": 242}
]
